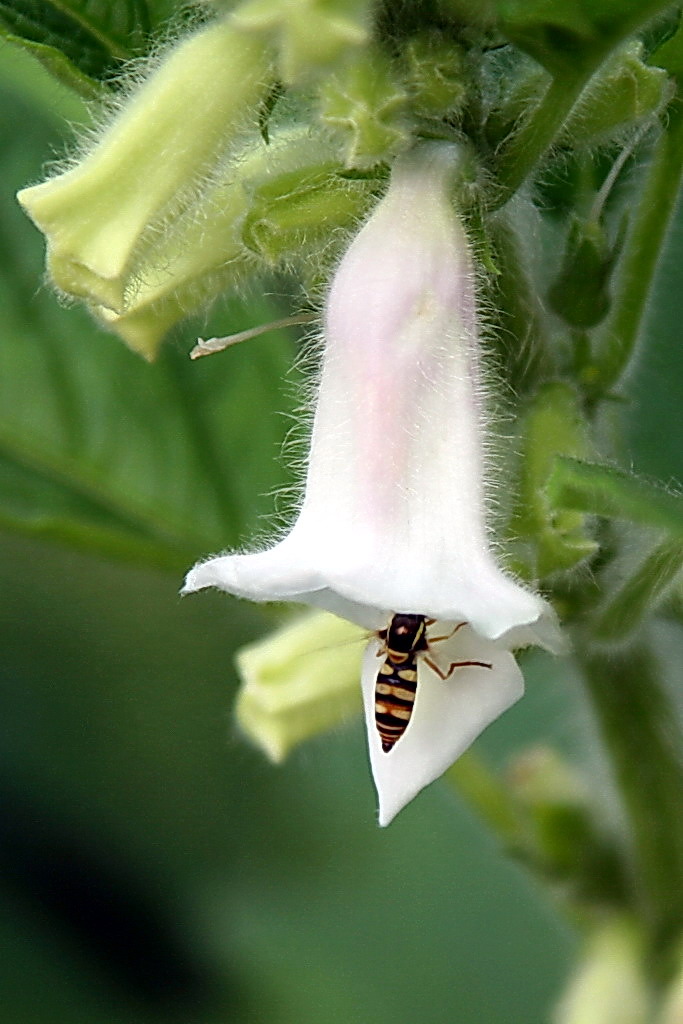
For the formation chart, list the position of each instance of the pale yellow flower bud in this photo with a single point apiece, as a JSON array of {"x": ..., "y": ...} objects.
[
  {"x": 299, "y": 681},
  {"x": 149, "y": 163}
]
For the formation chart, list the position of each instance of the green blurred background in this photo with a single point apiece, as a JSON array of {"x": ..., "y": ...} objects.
[{"x": 154, "y": 866}]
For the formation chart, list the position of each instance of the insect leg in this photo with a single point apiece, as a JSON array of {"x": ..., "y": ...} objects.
[
  {"x": 452, "y": 667},
  {"x": 437, "y": 639}
]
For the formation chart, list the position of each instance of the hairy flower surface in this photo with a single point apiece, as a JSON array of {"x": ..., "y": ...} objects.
[{"x": 393, "y": 519}]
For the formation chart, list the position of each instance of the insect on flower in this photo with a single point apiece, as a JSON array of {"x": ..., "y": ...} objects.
[
  {"x": 392, "y": 531},
  {"x": 403, "y": 641}
]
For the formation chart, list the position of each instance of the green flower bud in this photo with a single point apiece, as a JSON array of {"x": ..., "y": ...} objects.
[
  {"x": 580, "y": 295},
  {"x": 366, "y": 106},
  {"x": 560, "y": 832},
  {"x": 310, "y": 35},
  {"x": 434, "y": 76},
  {"x": 552, "y": 426},
  {"x": 294, "y": 213},
  {"x": 149, "y": 163},
  {"x": 609, "y": 986},
  {"x": 299, "y": 681},
  {"x": 623, "y": 92}
]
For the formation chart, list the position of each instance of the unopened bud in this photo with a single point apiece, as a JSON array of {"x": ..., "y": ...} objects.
[
  {"x": 609, "y": 986},
  {"x": 553, "y": 425},
  {"x": 149, "y": 163},
  {"x": 365, "y": 104},
  {"x": 435, "y": 76},
  {"x": 299, "y": 681}
]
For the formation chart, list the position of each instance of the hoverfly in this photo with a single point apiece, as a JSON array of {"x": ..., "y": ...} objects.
[{"x": 403, "y": 641}]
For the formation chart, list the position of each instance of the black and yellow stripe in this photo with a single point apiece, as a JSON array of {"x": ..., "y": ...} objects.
[{"x": 394, "y": 698}]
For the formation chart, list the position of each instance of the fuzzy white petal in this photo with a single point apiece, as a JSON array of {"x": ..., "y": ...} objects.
[
  {"x": 448, "y": 715},
  {"x": 393, "y": 517},
  {"x": 394, "y": 513}
]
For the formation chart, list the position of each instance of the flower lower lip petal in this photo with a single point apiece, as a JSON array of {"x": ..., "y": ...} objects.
[{"x": 447, "y": 717}]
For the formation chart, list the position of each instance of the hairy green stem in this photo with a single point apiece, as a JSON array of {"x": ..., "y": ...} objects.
[
  {"x": 640, "y": 259},
  {"x": 525, "y": 350},
  {"x": 521, "y": 153},
  {"x": 530, "y": 142},
  {"x": 639, "y": 727}
]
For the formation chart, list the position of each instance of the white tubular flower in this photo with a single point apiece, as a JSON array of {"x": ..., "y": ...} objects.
[{"x": 393, "y": 519}]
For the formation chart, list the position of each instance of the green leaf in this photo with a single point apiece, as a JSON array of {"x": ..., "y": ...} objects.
[
  {"x": 82, "y": 42},
  {"x": 59, "y": 66},
  {"x": 670, "y": 54},
  {"x": 641, "y": 593},
  {"x": 561, "y": 34},
  {"x": 99, "y": 450},
  {"x": 36, "y": 504},
  {"x": 615, "y": 494}
]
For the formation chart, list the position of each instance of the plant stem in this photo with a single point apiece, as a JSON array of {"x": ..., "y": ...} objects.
[
  {"x": 639, "y": 727},
  {"x": 526, "y": 147},
  {"x": 525, "y": 349},
  {"x": 641, "y": 256}
]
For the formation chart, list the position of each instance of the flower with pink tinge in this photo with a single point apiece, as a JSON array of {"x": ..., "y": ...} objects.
[{"x": 394, "y": 514}]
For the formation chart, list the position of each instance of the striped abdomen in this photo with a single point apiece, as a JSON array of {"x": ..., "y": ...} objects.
[{"x": 394, "y": 698}]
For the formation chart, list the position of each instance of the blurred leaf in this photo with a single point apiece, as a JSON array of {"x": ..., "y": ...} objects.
[
  {"x": 20, "y": 74},
  {"x": 610, "y": 492},
  {"x": 142, "y": 462},
  {"x": 641, "y": 593},
  {"x": 81, "y": 41},
  {"x": 117, "y": 457},
  {"x": 58, "y": 65},
  {"x": 563, "y": 35},
  {"x": 114, "y": 695},
  {"x": 35, "y": 504},
  {"x": 670, "y": 54}
]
